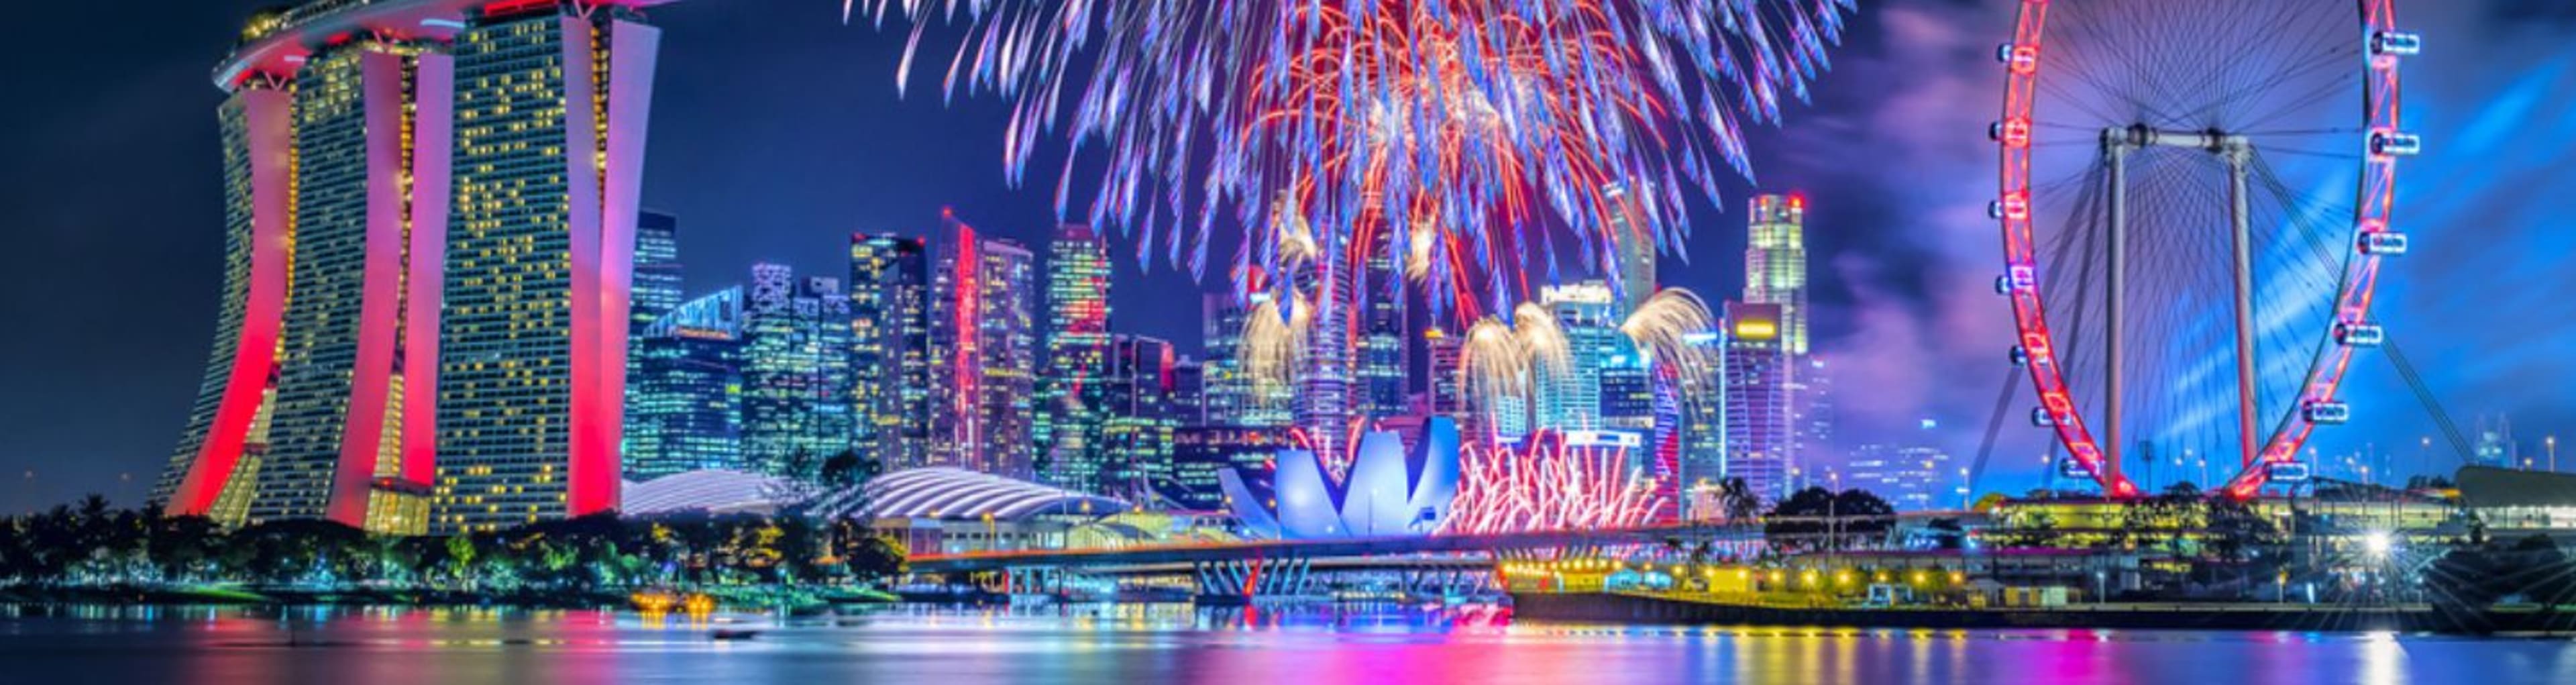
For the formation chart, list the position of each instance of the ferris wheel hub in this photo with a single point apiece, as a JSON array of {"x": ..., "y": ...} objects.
[{"x": 2135, "y": 136}]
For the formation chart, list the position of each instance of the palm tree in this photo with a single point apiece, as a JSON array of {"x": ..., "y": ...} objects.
[{"x": 1739, "y": 501}]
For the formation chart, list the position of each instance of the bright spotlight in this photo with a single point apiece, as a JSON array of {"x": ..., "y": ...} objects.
[{"x": 2376, "y": 543}]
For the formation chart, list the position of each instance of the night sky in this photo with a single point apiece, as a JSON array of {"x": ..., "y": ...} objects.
[{"x": 777, "y": 131}]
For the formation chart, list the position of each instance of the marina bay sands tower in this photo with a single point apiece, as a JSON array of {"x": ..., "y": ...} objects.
[{"x": 429, "y": 227}]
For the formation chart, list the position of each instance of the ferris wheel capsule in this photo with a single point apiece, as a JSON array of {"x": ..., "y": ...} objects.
[
  {"x": 2020, "y": 356},
  {"x": 2357, "y": 334},
  {"x": 2396, "y": 144},
  {"x": 2286, "y": 471},
  {"x": 2013, "y": 132},
  {"x": 2396, "y": 43},
  {"x": 2327, "y": 412},
  {"x": 2382, "y": 243},
  {"x": 2015, "y": 206},
  {"x": 2040, "y": 417}
]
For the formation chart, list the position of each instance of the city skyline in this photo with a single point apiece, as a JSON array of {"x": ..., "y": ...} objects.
[
  {"x": 814, "y": 250},
  {"x": 1595, "y": 340}
]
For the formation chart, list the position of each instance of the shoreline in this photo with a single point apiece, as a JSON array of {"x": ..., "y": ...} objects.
[
  {"x": 796, "y": 600},
  {"x": 1639, "y": 609}
]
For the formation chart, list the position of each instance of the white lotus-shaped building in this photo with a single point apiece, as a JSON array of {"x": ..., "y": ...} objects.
[{"x": 1388, "y": 492}]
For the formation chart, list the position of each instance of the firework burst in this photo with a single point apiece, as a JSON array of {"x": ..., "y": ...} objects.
[
  {"x": 1471, "y": 137},
  {"x": 1668, "y": 327},
  {"x": 1548, "y": 485}
]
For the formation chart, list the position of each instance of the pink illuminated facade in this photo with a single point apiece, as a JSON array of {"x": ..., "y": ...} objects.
[
  {"x": 551, "y": 118},
  {"x": 983, "y": 353},
  {"x": 430, "y": 211}
]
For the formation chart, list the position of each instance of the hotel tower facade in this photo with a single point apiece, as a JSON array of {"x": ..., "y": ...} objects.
[{"x": 429, "y": 229}]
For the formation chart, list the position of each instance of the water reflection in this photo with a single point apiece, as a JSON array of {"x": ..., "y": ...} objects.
[{"x": 1177, "y": 643}]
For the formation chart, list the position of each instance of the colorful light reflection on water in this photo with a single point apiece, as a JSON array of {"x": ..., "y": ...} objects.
[{"x": 1176, "y": 643}]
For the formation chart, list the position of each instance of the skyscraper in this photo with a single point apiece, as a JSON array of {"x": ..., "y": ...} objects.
[
  {"x": 1570, "y": 398},
  {"x": 304, "y": 411},
  {"x": 657, "y": 292},
  {"x": 657, "y": 267},
  {"x": 448, "y": 189},
  {"x": 797, "y": 396},
  {"x": 1698, "y": 414},
  {"x": 1759, "y": 431},
  {"x": 983, "y": 352},
  {"x": 1910, "y": 478},
  {"x": 1633, "y": 249},
  {"x": 1775, "y": 265},
  {"x": 1077, "y": 358},
  {"x": 1136, "y": 416},
  {"x": 1189, "y": 392},
  {"x": 1199, "y": 453},
  {"x": 890, "y": 348},
  {"x": 1628, "y": 392},
  {"x": 1445, "y": 352},
  {"x": 1321, "y": 405},
  {"x": 1382, "y": 360},
  {"x": 1233, "y": 397},
  {"x": 1811, "y": 411},
  {"x": 338, "y": 418},
  {"x": 551, "y": 113},
  {"x": 687, "y": 388}
]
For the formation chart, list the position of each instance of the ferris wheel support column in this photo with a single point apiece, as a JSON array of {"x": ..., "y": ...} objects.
[
  {"x": 2116, "y": 144},
  {"x": 2237, "y": 152}
]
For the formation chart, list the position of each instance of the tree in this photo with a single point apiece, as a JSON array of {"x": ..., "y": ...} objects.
[
  {"x": 1815, "y": 518},
  {"x": 184, "y": 548},
  {"x": 801, "y": 466},
  {"x": 848, "y": 470},
  {"x": 864, "y": 554},
  {"x": 460, "y": 559},
  {"x": 1739, "y": 500}
]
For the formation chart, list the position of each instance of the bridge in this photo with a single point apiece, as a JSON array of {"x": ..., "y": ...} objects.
[
  {"x": 1331, "y": 548},
  {"x": 1241, "y": 571}
]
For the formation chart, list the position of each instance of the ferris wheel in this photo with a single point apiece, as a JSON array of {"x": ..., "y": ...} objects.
[{"x": 2196, "y": 198}]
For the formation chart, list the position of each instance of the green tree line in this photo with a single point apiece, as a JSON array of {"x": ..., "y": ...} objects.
[{"x": 94, "y": 545}]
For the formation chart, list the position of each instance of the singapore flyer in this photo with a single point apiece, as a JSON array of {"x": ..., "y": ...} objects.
[{"x": 2196, "y": 200}]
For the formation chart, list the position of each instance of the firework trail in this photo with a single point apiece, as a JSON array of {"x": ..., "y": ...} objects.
[
  {"x": 1472, "y": 137},
  {"x": 1274, "y": 341},
  {"x": 1501, "y": 360},
  {"x": 1667, "y": 329}
]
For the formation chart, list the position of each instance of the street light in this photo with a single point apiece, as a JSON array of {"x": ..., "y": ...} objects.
[
  {"x": 2552, "y": 443},
  {"x": 2377, "y": 543}
]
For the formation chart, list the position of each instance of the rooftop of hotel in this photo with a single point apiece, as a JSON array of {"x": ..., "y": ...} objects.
[{"x": 277, "y": 40}]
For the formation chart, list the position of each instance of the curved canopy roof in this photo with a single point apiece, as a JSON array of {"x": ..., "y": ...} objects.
[
  {"x": 958, "y": 494},
  {"x": 710, "y": 491}
]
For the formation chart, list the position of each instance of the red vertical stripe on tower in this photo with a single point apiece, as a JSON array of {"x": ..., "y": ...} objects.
[
  {"x": 590, "y": 441},
  {"x": 969, "y": 350},
  {"x": 632, "y": 48},
  {"x": 433, "y": 135},
  {"x": 270, "y": 132},
  {"x": 370, "y": 380}
]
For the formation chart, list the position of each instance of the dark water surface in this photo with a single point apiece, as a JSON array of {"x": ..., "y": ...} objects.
[{"x": 1159, "y": 644}]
